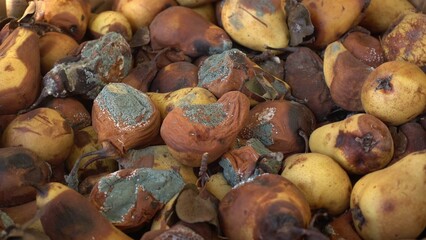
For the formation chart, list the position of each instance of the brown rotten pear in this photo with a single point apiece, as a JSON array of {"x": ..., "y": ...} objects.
[
  {"x": 170, "y": 29},
  {"x": 360, "y": 143},
  {"x": 344, "y": 75},
  {"x": 129, "y": 198},
  {"x": 175, "y": 76},
  {"x": 365, "y": 47},
  {"x": 191, "y": 130},
  {"x": 395, "y": 92},
  {"x": 266, "y": 207},
  {"x": 123, "y": 118},
  {"x": 20, "y": 70},
  {"x": 233, "y": 70},
  {"x": 281, "y": 125},
  {"x": 71, "y": 16},
  {"x": 20, "y": 168},
  {"x": 304, "y": 73},
  {"x": 66, "y": 214}
]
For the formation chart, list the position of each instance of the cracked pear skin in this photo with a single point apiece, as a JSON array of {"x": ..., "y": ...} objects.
[
  {"x": 395, "y": 92},
  {"x": 390, "y": 203},
  {"x": 360, "y": 143}
]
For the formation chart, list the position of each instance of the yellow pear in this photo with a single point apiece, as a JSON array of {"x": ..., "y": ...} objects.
[
  {"x": 380, "y": 14},
  {"x": 391, "y": 203},
  {"x": 256, "y": 24},
  {"x": 321, "y": 179},
  {"x": 165, "y": 102},
  {"x": 395, "y": 92},
  {"x": 332, "y": 18},
  {"x": 360, "y": 143},
  {"x": 20, "y": 71}
]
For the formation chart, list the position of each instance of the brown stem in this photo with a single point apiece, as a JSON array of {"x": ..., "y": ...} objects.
[{"x": 203, "y": 176}]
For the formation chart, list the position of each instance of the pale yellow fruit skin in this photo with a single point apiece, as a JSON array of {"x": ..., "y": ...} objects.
[
  {"x": 165, "y": 102},
  {"x": 53, "y": 47},
  {"x": 161, "y": 218},
  {"x": 42, "y": 130},
  {"x": 207, "y": 11},
  {"x": 110, "y": 21},
  {"x": 407, "y": 98},
  {"x": 380, "y": 14},
  {"x": 323, "y": 181},
  {"x": 332, "y": 18},
  {"x": 256, "y": 26},
  {"x": 331, "y": 53},
  {"x": 392, "y": 200},
  {"x": 218, "y": 186},
  {"x": 407, "y": 40},
  {"x": 140, "y": 13}
]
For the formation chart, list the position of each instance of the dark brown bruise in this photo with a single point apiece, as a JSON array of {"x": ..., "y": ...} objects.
[
  {"x": 365, "y": 148},
  {"x": 349, "y": 75},
  {"x": 71, "y": 214},
  {"x": 365, "y": 47},
  {"x": 170, "y": 29},
  {"x": 304, "y": 73},
  {"x": 20, "y": 168}
]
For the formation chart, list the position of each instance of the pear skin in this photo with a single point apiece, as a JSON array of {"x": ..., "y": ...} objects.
[
  {"x": 390, "y": 203},
  {"x": 380, "y": 14},
  {"x": 395, "y": 92},
  {"x": 256, "y": 24},
  {"x": 165, "y": 102},
  {"x": 20, "y": 70},
  {"x": 360, "y": 143},
  {"x": 322, "y": 180}
]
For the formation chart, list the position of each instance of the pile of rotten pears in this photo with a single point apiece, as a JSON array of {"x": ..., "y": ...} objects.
[{"x": 203, "y": 119}]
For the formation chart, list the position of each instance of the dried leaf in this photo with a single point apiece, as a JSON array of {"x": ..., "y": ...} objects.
[
  {"x": 140, "y": 38},
  {"x": 261, "y": 87},
  {"x": 299, "y": 23},
  {"x": 192, "y": 208}
]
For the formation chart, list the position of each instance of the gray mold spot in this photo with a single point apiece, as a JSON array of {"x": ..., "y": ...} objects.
[
  {"x": 210, "y": 115},
  {"x": 125, "y": 104},
  {"x": 121, "y": 193}
]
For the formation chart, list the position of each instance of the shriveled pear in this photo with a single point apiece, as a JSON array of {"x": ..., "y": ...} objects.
[{"x": 390, "y": 203}]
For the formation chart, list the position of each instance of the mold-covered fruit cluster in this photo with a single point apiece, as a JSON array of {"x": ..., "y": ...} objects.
[{"x": 212, "y": 119}]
